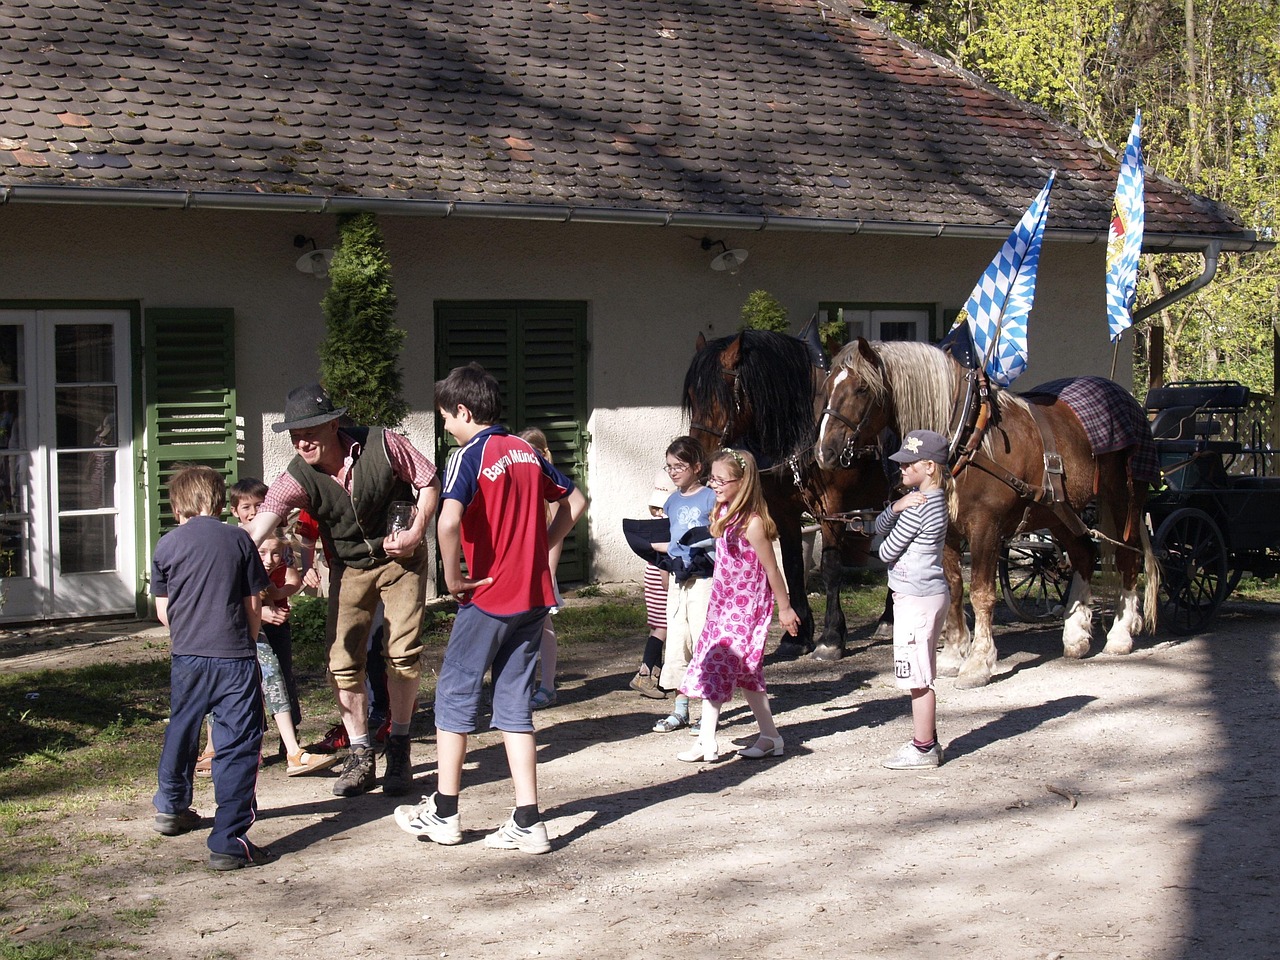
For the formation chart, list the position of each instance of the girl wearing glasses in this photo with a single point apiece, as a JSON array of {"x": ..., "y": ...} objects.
[{"x": 747, "y": 587}]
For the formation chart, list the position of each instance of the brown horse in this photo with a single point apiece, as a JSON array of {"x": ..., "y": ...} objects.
[
  {"x": 908, "y": 386},
  {"x": 756, "y": 390}
]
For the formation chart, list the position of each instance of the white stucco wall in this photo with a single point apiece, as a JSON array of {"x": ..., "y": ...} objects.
[{"x": 649, "y": 292}]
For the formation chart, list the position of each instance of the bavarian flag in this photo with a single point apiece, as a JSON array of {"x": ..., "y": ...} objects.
[
  {"x": 1124, "y": 241},
  {"x": 998, "y": 308}
]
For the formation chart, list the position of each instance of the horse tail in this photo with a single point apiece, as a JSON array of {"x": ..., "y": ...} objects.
[{"x": 1151, "y": 567}]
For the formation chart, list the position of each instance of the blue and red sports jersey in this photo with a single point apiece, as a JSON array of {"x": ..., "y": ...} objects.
[{"x": 504, "y": 486}]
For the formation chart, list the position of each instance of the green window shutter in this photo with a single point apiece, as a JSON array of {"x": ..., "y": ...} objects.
[
  {"x": 538, "y": 353},
  {"x": 190, "y": 401}
]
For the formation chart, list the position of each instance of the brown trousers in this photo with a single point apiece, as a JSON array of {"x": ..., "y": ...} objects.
[{"x": 400, "y": 585}]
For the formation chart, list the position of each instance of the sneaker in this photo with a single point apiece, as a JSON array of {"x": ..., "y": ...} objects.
[
  {"x": 232, "y": 861},
  {"x": 359, "y": 774},
  {"x": 336, "y": 739},
  {"x": 646, "y": 684},
  {"x": 398, "y": 778},
  {"x": 909, "y": 758},
  {"x": 176, "y": 824},
  {"x": 526, "y": 839},
  {"x": 423, "y": 821}
]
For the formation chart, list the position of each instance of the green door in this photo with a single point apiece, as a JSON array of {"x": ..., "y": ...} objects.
[{"x": 538, "y": 353}]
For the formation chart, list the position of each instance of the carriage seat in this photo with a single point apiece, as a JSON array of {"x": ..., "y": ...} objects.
[{"x": 1184, "y": 411}]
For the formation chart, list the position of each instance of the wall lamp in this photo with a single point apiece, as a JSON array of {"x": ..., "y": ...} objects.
[
  {"x": 730, "y": 261},
  {"x": 315, "y": 261}
]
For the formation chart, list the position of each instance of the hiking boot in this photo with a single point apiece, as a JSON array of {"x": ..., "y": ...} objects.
[
  {"x": 525, "y": 839},
  {"x": 423, "y": 821},
  {"x": 909, "y": 757},
  {"x": 359, "y": 774},
  {"x": 176, "y": 824},
  {"x": 230, "y": 861},
  {"x": 398, "y": 778}
]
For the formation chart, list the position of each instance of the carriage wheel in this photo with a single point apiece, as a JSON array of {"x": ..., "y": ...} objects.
[
  {"x": 1035, "y": 577},
  {"x": 1193, "y": 569}
]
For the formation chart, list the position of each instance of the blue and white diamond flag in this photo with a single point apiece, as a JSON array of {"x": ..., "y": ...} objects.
[
  {"x": 1124, "y": 241},
  {"x": 998, "y": 308}
]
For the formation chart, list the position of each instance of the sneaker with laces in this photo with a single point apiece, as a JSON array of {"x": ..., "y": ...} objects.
[
  {"x": 421, "y": 820},
  {"x": 525, "y": 839},
  {"x": 334, "y": 740},
  {"x": 909, "y": 758},
  {"x": 398, "y": 777},
  {"x": 359, "y": 774}
]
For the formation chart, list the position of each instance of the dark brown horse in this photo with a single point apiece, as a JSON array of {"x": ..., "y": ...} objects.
[
  {"x": 908, "y": 386},
  {"x": 756, "y": 391}
]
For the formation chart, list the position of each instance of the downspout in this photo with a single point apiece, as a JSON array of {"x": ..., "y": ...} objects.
[{"x": 1210, "y": 253}]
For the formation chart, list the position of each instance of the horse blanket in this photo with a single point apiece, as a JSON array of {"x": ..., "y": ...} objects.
[{"x": 1111, "y": 418}]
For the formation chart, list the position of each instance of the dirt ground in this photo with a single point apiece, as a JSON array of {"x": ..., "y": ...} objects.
[{"x": 1105, "y": 808}]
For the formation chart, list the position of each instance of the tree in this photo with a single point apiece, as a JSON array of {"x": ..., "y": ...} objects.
[
  {"x": 1206, "y": 75},
  {"x": 762, "y": 311},
  {"x": 359, "y": 357}
]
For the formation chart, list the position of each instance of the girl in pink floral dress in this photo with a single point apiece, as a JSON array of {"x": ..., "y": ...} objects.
[{"x": 745, "y": 587}]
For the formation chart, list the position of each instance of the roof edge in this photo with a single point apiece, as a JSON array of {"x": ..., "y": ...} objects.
[{"x": 1153, "y": 242}]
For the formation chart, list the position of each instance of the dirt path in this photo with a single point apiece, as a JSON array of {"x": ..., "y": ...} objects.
[{"x": 1098, "y": 809}]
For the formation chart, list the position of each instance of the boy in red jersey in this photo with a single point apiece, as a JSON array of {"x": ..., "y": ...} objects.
[{"x": 493, "y": 513}]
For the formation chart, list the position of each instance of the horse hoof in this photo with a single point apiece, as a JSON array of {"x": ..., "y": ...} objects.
[
  {"x": 948, "y": 670},
  {"x": 970, "y": 681},
  {"x": 828, "y": 652},
  {"x": 790, "y": 650},
  {"x": 884, "y": 631},
  {"x": 1076, "y": 651},
  {"x": 1118, "y": 648}
]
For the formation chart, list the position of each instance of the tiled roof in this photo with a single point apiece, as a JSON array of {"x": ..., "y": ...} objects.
[{"x": 782, "y": 109}]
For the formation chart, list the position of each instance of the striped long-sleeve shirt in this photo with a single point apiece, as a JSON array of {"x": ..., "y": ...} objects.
[{"x": 912, "y": 546}]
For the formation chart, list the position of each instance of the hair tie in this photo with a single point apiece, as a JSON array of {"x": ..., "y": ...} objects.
[{"x": 737, "y": 458}]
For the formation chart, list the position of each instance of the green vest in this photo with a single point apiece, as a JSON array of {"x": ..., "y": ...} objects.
[{"x": 357, "y": 523}]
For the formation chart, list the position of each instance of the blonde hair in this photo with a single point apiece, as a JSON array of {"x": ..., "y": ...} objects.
[
  {"x": 947, "y": 483},
  {"x": 536, "y": 439},
  {"x": 747, "y": 501},
  {"x": 197, "y": 490}
]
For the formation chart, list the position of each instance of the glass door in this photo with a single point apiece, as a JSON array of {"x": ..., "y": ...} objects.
[{"x": 66, "y": 539}]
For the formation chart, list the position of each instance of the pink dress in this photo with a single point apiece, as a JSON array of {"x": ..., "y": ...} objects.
[{"x": 729, "y": 653}]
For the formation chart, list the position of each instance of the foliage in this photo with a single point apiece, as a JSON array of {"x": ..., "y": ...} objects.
[
  {"x": 359, "y": 357},
  {"x": 762, "y": 311},
  {"x": 1206, "y": 76}
]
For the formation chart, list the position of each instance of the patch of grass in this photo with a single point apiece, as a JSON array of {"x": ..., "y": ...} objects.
[
  {"x": 57, "y": 949},
  {"x": 1259, "y": 590},
  {"x": 138, "y": 917},
  {"x": 587, "y": 623}
]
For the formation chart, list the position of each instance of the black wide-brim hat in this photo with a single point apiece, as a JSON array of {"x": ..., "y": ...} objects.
[{"x": 307, "y": 406}]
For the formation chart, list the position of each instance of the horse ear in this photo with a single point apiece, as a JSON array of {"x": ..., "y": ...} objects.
[
  {"x": 732, "y": 354},
  {"x": 868, "y": 354},
  {"x": 700, "y": 344}
]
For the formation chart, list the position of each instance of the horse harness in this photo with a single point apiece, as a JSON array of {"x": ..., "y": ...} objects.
[{"x": 972, "y": 417}]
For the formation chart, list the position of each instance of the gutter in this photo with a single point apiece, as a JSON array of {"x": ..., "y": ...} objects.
[
  {"x": 1210, "y": 252},
  {"x": 1153, "y": 242}
]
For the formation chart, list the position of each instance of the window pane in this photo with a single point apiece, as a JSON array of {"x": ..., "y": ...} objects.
[
  {"x": 83, "y": 353},
  {"x": 12, "y": 367},
  {"x": 86, "y": 416},
  {"x": 897, "y": 331},
  {"x": 11, "y": 414},
  {"x": 13, "y": 483},
  {"x": 15, "y": 548},
  {"x": 88, "y": 544},
  {"x": 86, "y": 481}
]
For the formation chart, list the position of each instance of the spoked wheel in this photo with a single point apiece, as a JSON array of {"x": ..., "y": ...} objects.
[
  {"x": 1035, "y": 577},
  {"x": 1194, "y": 574}
]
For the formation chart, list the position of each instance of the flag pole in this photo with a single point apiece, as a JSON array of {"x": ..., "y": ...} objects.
[{"x": 1115, "y": 354}]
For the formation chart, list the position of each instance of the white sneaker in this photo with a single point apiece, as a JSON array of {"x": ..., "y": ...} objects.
[
  {"x": 526, "y": 839},
  {"x": 909, "y": 758},
  {"x": 423, "y": 821}
]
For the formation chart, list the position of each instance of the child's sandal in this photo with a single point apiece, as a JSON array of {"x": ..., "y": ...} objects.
[
  {"x": 670, "y": 724},
  {"x": 204, "y": 764},
  {"x": 303, "y": 762}
]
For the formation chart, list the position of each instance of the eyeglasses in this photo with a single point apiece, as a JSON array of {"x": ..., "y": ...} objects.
[
  {"x": 717, "y": 482},
  {"x": 674, "y": 468}
]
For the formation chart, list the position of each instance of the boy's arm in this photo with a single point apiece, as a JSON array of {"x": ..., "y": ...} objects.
[
  {"x": 253, "y": 613},
  {"x": 568, "y": 510},
  {"x": 162, "y": 610},
  {"x": 449, "y": 542}
]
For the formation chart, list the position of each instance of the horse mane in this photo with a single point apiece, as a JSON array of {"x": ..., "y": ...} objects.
[
  {"x": 923, "y": 379},
  {"x": 775, "y": 375}
]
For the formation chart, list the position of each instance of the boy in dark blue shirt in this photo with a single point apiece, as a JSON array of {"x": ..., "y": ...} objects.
[{"x": 206, "y": 577}]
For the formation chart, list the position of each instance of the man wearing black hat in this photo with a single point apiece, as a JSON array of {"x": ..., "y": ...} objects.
[{"x": 348, "y": 478}]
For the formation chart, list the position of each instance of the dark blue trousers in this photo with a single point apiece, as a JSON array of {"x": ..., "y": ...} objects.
[{"x": 230, "y": 692}]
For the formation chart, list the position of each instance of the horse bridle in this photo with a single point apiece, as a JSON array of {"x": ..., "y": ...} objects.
[
  {"x": 730, "y": 415},
  {"x": 852, "y": 450}
]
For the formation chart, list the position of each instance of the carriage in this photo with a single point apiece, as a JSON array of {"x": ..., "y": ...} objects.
[{"x": 1216, "y": 517}]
